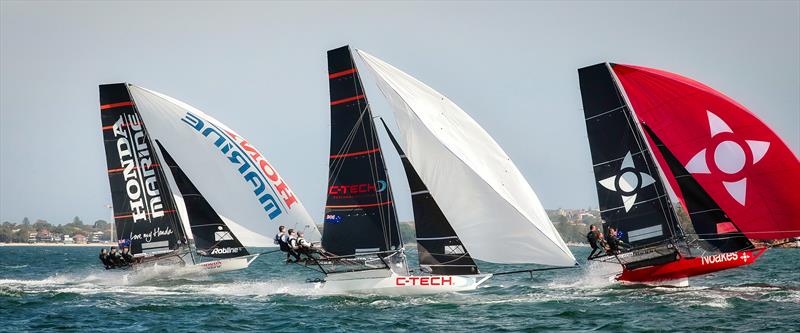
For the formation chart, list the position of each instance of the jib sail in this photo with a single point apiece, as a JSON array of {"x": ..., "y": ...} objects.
[
  {"x": 144, "y": 212},
  {"x": 486, "y": 199},
  {"x": 710, "y": 222},
  {"x": 212, "y": 238},
  {"x": 734, "y": 156},
  {"x": 360, "y": 213},
  {"x": 440, "y": 250},
  {"x": 630, "y": 192}
]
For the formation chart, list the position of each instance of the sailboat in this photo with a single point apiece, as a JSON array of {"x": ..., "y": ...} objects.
[
  {"x": 219, "y": 197},
  {"x": 469, "y": 199},
  {"x": 652, "y": 131}
]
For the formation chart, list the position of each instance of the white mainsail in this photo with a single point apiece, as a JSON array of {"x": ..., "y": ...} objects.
[
  {"x": 486, "y": 199},
  {"x": 234, "y": 177}
]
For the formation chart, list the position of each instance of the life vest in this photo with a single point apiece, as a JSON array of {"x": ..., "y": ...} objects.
[
  {"x": 592, "y": 238},
  {"x": 279, "y": 240}
]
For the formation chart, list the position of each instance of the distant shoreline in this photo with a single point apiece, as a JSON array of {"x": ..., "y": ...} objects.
[{"x": 59, "y": 244}]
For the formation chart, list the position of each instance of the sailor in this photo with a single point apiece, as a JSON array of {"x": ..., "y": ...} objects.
[
  {"x": 293, "y": 247},
  {"x": 592, "y": 238},
  {"x": 114, "y": 258},
  {"x": 281, "y": 239},
  {"x": 614, "y": 243},
  {"x": 127, "y": 258},
  {"x": 304, "y": 246},
  {"x": 104, "y": 259}
]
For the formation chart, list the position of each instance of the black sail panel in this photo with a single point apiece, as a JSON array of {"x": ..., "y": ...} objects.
[
  {"x": 709, "y": 220},
  {"x": 144, "y": 212},
  {"x": 212, "y": 237},
  {"x": 440, "y": 250},
  {"x": 629, "y": 189},
  {"x": 360, "y": 214}
]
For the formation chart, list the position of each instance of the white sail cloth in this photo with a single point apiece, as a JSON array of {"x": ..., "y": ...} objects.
[
  {"x": 237, "y": 181},
  {"x": 485, "y": 198}
]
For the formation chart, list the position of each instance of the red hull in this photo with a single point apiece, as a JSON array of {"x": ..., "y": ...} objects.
[{"x": 687, "y": 267}]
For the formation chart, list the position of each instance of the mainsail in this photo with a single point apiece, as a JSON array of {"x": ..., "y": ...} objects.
[
  {"x": 486, "y": 199},
  {"x": 246, "y": 192},
  {"x": 439, "y": 248},
  {"x": 212, "y": 238},
  {"x": 631, "y": 194},
  {"x": 734, "y": 156},
  {"x": 144, "y": 212},
  {"x": 360, "y": 213}
]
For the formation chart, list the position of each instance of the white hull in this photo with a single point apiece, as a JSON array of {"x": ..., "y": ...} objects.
[
  {"x": 387, "y": 283},
  {"x": 156, "y": 270}
]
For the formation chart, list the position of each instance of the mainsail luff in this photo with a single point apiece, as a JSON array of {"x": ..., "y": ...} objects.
[
  {"x": 360, "y": 214},
  {"x": 144, "y": 212},
  {"x": 469, "y": 175},
  {"x": 212, "y": 237},
  {"x": 631, "y": 194},
  {"x": 439, "y": 248}
]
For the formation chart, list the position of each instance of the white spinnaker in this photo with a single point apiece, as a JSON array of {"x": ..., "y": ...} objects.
[
  {"x": 215, "y": 175},
  {"x": 488, "y": 202}
]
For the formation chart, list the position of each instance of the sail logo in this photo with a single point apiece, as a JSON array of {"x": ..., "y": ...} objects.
[
  {"x": 424, "y": 281},
  {"x": 357, "y": 189},
  {"x": 226, "y": 250},
  {"x": 627, "y": 182},
  {"x": 250, "y": 164},
  {"x": 333, "y": 218},
  {"x": 141, "y": 182},
  {"x": 720, "y": 258},
  {"x": 727, "y": 156}
]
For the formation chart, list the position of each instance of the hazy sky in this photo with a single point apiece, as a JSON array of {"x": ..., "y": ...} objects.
[{"x": 260, "y": 68}]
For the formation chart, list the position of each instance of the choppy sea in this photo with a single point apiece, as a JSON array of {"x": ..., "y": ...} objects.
[{"x": 65, "y": 289}]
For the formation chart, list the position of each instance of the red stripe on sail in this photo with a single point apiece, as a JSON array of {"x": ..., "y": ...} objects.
[
  {"x": 342, "y": 73},
  {"x": 115, "y": 105},
  {"x": 361, "y": 206},
  {"x": 134, "y": 168},
  {"x": 345, "y": 100},
  {"x": 357, "y": 153},
  {"x": 131, "y": 215}
]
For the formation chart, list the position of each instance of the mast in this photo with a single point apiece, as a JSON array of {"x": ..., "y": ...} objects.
[
  {"x": 144, "y": 212},
  {"x": 630, "y": 191},
  {"x": 439, "y": 247},
  {"x": 360, "y": 215}
]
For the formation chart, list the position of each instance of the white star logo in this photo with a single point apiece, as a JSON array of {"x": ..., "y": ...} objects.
[
  {"x": 627, "y": 182},
  {"x": 745, "y": 257},
  {"x": 729, "y": 157}
]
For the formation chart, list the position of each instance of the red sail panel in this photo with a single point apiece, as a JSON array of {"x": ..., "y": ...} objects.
[{"x": 745, "y": 167}]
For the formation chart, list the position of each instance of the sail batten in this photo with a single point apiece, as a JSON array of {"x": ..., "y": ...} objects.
[{"x": 484, "y": 196}]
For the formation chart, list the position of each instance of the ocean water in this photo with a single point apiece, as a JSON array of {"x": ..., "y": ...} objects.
[{"x": 64, "y": 288}]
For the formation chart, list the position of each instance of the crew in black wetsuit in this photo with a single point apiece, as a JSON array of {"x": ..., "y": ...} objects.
[
  {"x": 293, "y": 247},
  {"x": 614, "y": 243},
  {"x": 104, "y": 259},
  {"x": 127, "y": 258},
  {"x": 115, "y": 258},
  {"x": 592, "y": 238}
]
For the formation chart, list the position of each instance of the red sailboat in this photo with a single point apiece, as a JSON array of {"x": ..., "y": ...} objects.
[{"x": 651, "y": 130}]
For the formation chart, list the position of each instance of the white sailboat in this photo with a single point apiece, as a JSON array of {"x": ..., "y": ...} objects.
[
  {"x": 219, "y": 197},
  {"x": 464, "y": 187}
]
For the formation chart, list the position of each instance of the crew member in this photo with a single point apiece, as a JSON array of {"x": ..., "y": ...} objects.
[
  {"x": 592, "y": 238},
  {"x": 304, "y": 246},
  {"x": 614, "y": 243},
  {"x": 104, "y": 259},
  {"x": 293, "y": 247},
  {"x": 281, "y": 239},
  {"x": 114, "y": 258},
  {"x": 127, "y": 258}
]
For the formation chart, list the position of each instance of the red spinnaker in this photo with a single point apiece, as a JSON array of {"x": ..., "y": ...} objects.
[{"x": 737, "y": 159}]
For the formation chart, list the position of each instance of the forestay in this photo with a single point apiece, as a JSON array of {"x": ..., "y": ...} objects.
[
  {"x": 235, "y": 178},
  {"x": 488, "y": 202}
]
